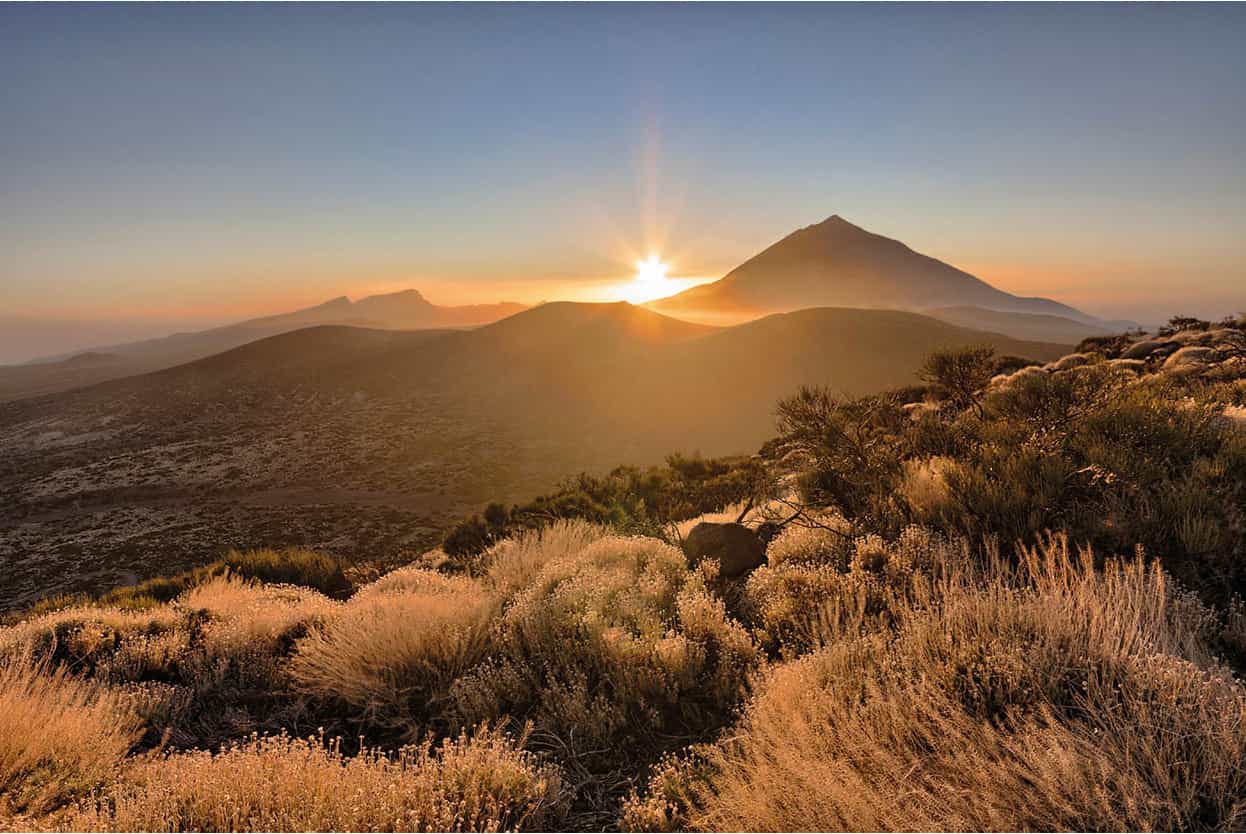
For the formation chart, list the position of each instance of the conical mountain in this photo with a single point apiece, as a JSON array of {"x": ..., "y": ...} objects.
[{"x": 838, "y": 264}]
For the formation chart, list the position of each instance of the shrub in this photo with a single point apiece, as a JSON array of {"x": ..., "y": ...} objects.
[
  {"x": 616, "y": 649},
  {"x": 1176, "y": 324},
  {"x": 961, "y": 373},
  {"x": 477, "y": 783},
  {"x": 1045, "y": 697},
  {"x": 243, "y": 632},
  {"x": 925, "y": 487},
  {"x": 1110, "y": 457},
  {"x": 392, "y": 652},
  {"x": 825, "y": 542},
  {"x": 847, "y": 452},
  {"x": 632, "y": 500},
  {"x": 798, "y": 604},
  {"x": 218, "y": 652},
  {"x": 515, "y": 563},
  {"x": 292, "y": 566},
  {"x": 60, "y": 737},
  {"x": 82, "y": 637}
]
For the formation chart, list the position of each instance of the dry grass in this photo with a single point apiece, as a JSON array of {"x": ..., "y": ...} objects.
[
  {"x": 479, "y": 783},
  {"x": 60, "y": 737},
  {"x": 80, "y": 635},
  {"x": 392, "y": 652},
  {"x": 924, "y": 486},
  {"x": 823, "y": 542},
  {"x": 611, "y": 646},
  {"x": 239, "y": 633},
  {"x": 1045, "y": 697},
  {"x": 513, "y": 564},
  {"x": 825, "y": 588}
]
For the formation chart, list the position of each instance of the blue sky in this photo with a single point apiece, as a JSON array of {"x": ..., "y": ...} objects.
[{"x": 200, "y": 163}]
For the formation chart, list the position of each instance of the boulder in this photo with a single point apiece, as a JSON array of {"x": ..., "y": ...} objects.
[
  {"x": 737, "y": 548},
  {"x": 1147, "y": 347}
]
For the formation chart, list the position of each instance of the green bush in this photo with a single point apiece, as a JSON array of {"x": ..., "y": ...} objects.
[
  {"x": 632, "y": 500},
  {"x": 1114, "y": 459}
]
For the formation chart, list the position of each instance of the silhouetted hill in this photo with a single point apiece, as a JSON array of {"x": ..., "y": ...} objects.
[
  {"x": 369, "y": 443},
  {"x": 837, "y": 264},
  {"x": 405, "y": 310}
]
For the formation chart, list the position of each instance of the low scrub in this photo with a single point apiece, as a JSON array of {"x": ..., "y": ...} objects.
[
  {"x": 391, "y": 654},
  {"x": 1044, "y": 697},
  {"x": 60, "y": 737},
  {"x": 1114, "y": 454},
  {"x": 470, "y": 783},
  {"x": 629, "y": 499},
  {"x": 290, "y": 566},
  {"x": 617, "y": 647}
]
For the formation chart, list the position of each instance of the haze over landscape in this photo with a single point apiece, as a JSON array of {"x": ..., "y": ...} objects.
[
  {"x": 1087, "y": 154},
  {"x": 645, "y": 417}
]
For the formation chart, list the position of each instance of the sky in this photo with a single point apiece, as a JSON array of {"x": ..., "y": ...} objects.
[{"x": 163, "y": 167}]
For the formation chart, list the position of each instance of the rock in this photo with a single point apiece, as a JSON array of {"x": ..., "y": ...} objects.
[
  {"x": 737, "y": 548},
  {"x": 1144, "y": 349}
]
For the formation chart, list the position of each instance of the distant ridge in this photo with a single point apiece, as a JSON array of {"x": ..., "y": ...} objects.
[
  {"x": 1041, "y": 327},
  {"x": 403, "y": 310},
  {"x": 838, "y": 264}
]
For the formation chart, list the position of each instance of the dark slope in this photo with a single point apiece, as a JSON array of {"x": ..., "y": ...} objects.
[
  {"x": 367, "y": 443},
  {"x": 837, "y": 264}
]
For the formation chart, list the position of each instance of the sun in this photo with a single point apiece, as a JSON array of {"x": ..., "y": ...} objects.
[{"x": 650, "y": 281}]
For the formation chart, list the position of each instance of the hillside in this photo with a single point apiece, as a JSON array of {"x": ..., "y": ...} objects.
[
  {"x": 837, "y": 264},
  {"x": 369, "y": 443},
  {"x": 1016, "y": 594},
  {"x": 405, "y": 310}
]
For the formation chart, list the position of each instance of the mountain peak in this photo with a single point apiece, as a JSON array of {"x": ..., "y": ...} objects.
[
  {"x": 836, "y": 263},
  {"x": 836, "y": 223},
  {"x": 403, "y": 295}
]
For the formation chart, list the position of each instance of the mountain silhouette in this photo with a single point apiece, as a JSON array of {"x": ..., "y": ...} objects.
[
  {"x": 837, "y": 264},
  {"x": 404, "y": 310}
]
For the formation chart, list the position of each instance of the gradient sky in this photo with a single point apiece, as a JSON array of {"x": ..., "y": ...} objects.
[{"x": 193, "y": 164}]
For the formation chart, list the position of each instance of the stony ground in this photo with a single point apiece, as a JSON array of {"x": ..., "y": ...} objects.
[{"x": 115, "y": 488}]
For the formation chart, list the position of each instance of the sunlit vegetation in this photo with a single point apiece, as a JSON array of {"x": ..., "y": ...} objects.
[
  {"x": 290, "y": 565},
  {"x": 1043, "y": 695},
  {"x": 277, "y": 783},
  {"x": 1010, "y": 598},
  {"x": 630, "y": 500}
]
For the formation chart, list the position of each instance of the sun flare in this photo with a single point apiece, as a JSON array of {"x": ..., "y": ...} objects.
[{"x": 650, "y": 281}]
